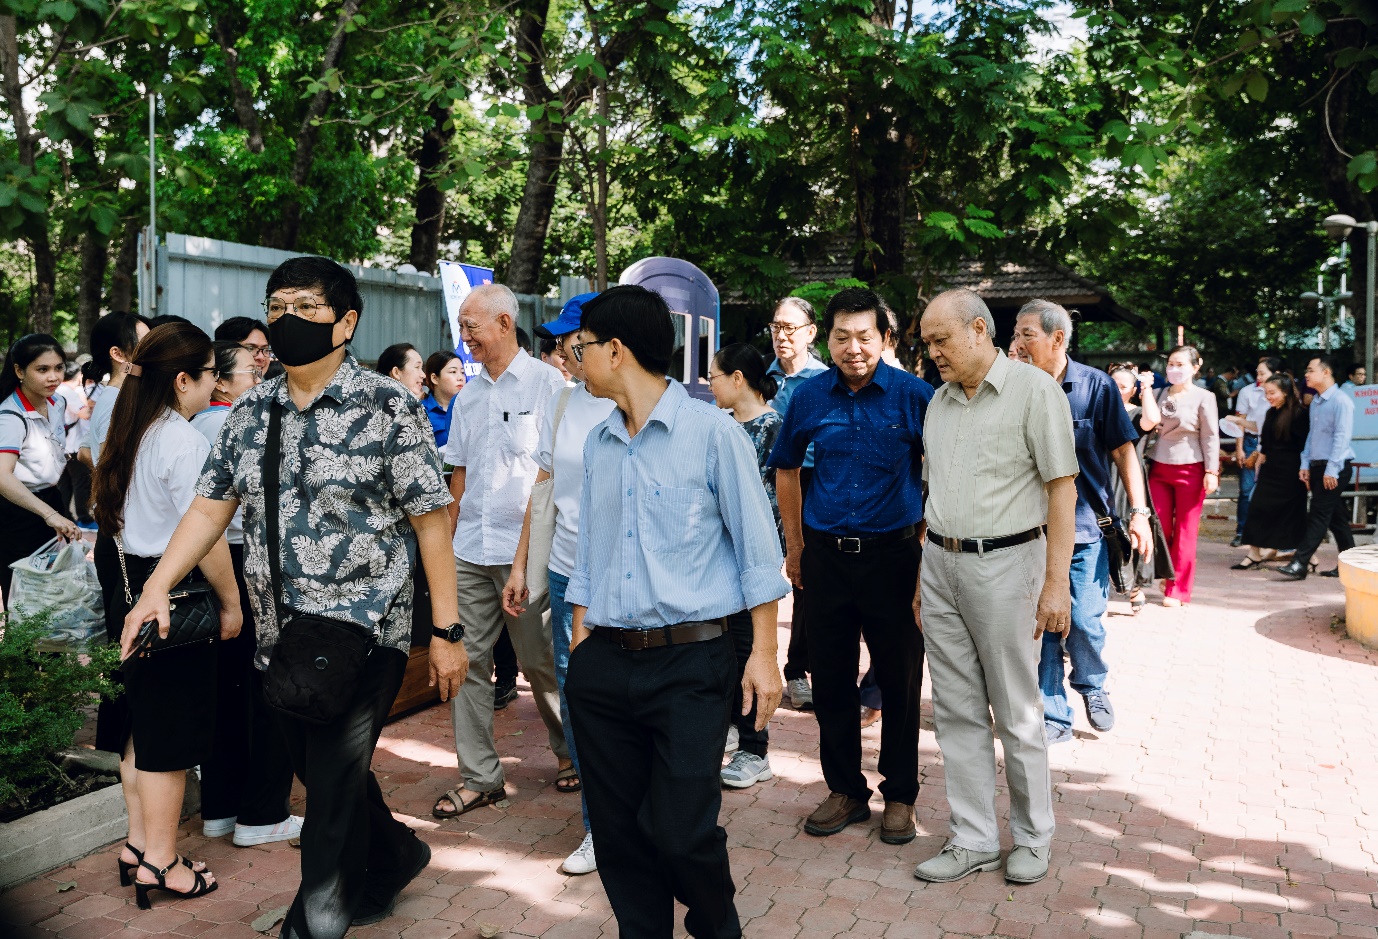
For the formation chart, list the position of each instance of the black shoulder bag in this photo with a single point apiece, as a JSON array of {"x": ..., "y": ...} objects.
[
  {"x": 1119, "y": 549},
  {"x": 193, "y": 612},
  {"x": 315, "y": 666}
]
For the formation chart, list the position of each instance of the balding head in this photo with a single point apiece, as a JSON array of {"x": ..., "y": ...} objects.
[
  {"x": 959, "y": 331},
  {"x": 965, "y": 304},
  {"x": 493, "y": 300},
  {"x": 488, "y": 325}
]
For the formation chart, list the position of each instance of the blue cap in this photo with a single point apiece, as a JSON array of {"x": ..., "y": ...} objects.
[{"x": 568, "y": 320}]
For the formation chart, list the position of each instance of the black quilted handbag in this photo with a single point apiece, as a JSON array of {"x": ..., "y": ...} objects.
[
  {"x": 193, "y": 613},
  {"x": 315, "y": 666}
]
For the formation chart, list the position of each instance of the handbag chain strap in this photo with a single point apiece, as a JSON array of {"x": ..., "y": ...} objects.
[{"x": 124, "y": 571}]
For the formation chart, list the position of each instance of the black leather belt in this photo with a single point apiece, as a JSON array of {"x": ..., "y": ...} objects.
[
  {"x": 858, "y": 545},
  {"x": 637, "y": 640},
  {"x": 982, "y": 545}
]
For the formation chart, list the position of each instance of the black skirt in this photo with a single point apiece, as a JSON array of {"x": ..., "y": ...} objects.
[
  {"x": 168, "y": 705},
  {"x": 1277, "y": 509},
  {"x": 25, "y": 532}
]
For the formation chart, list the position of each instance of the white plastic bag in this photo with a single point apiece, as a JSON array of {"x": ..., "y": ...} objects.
[{"x": 60, "y": 579}]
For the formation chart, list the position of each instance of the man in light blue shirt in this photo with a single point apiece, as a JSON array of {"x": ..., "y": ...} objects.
[
  {"x": 1325, "y": 467},
  {"x": 793, "y": 330},
  {"x": 676, "y": 532}
]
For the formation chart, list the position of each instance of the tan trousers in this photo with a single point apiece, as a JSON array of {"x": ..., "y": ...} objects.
[
  {"x": 471, "y": 711},
  {"x": 978, "y": 628}
]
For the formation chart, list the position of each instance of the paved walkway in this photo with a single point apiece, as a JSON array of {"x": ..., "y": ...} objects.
[{"x": 1235, "y": 796}]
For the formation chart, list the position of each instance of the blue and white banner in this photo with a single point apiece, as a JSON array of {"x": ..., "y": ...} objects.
[{"x": 457, "y": 280}]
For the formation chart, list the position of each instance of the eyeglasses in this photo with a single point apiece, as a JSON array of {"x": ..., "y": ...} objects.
[
  {"x": 578, "y": 348},
  {"x": 785, "y": 329},
  {"x": 215, "y": 372},
  {"x": 712, "y": 377},
  {"x": 303, "y": 308},
  {"x": 256, "y": 372},
  {"x": 256, "y": 350}
]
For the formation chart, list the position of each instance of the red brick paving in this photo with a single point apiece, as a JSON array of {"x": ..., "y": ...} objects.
[{"x": 1235, "y": 797}]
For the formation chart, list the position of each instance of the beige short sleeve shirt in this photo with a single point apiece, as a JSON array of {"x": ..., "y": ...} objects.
[{"x": 988, "y": 458}]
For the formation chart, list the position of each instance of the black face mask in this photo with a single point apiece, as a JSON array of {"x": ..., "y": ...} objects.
[{"x": 297, "y": 341}]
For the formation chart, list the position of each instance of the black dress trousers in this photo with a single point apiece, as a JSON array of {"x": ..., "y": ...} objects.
[
  {"x": 349, "y": 840},
  {"x": 849, "y": 596},
  {"x": 650, "y": 727},
  {"x": 1327, "y": 513}
]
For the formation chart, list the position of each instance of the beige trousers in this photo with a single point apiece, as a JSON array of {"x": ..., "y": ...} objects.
[{"x": 978, "y": 628}]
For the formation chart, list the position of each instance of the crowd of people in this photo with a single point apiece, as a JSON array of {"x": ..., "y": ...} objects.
[{"x": 628, "y": 545}]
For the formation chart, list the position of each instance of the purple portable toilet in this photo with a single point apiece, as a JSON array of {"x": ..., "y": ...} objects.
[{"x": 693, "y": 303}]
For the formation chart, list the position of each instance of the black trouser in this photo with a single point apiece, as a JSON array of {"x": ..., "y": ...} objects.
[
  {"x": 743, "y": 637},
  {"x": 650, "y": 728},
  {"x": 249, "y": 774},
  {"x": 504, "y": 661},
  {"x": 797, "y": 655},
  {"x": 75, "y": 486},
  {"x": 869, "y": 594},
  {"x": 23, "y": 532},
  {"x": 350, "y": 840},
  {"x": 1327, "y": 513}
]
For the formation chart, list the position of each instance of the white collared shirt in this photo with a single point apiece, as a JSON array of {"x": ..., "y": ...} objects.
[
  {"x": 166, "y": 467},
  {"x": 1253, "y": 404},
  {"x": 208, "y": 423},
  {"x": 38, "y": 441},
  {"x": 494, "y": 430},
  {"x": 565, "y": 462}
]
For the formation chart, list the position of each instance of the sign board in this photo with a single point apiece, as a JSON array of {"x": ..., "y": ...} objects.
[
  {"x": 693, "y": 303},
  {"x": 457, "y": 280},
  {"x": 1365, "y": 441}
]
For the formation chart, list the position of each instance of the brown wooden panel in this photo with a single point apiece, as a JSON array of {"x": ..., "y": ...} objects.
[{"x": 415, "y": 692}]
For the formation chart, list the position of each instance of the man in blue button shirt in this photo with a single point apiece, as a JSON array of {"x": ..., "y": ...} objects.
[
  {"x": 852, "y": 548},
  {"x": 676, "y": 533},
  {"x": 1103, "y": 433},
  {"x": 792, "y": 332},
  {"x": 1326, "y": 466}
]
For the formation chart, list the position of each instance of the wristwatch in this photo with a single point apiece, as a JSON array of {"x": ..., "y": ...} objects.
[
  {"x": 1141, "y": 510},
  {"x": 452, "y": 633}
]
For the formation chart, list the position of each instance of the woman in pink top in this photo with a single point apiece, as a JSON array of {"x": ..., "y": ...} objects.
[{"x": 1185, "y": 466}]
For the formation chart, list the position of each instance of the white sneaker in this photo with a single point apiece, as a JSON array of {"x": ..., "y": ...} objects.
[
  {"x": 746, "y": 769},
  {"x": 733, "y": 738},
  {"x": 217, "y": 827},
  {"x": 247, "y": 835},
  {"x": 582, "y": 860}
]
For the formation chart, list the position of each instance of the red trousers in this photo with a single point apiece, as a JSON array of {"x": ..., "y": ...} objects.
[{"x": 1179, "y": 495}]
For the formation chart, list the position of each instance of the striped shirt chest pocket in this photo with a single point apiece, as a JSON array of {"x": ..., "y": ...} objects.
[
  {"x": 670, "y": 518},
  {"x": 995, "y": 447}
]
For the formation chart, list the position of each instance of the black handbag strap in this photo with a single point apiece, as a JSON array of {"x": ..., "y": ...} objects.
[{"x": 272, "y": 496}]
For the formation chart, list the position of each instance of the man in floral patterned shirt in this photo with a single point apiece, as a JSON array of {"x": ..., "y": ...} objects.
[{"x": 361, "y": 500}]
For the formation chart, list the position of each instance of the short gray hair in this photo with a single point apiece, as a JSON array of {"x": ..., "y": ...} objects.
[
  {"x": 1051, "y": 317},
  {"x": 970, "y": 305},
  {"x": 497, "y": 299}
]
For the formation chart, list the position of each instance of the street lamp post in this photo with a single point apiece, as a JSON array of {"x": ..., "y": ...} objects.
[{"x": 1339, "y": 227}]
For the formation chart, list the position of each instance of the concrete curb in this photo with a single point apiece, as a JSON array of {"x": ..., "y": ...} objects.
[{"x": 61, "y": 834}]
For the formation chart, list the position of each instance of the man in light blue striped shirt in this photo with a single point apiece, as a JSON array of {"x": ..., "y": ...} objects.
[
  {"x": 676, "y": 532},
  {"x": 1326, "y": 466}
]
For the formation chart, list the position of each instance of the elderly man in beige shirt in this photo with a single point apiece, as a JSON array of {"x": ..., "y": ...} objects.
[{"x": 1001, "y": 466}]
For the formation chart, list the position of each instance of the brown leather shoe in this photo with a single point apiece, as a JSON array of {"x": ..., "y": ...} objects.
[
  {"x": 836, "y": 813},
  {"x": 897, "y": 825}
]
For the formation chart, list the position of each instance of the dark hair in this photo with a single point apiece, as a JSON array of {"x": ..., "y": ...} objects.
[
  {"x": 1275, "y": 364},
  {"x": 1193, "y": 354},
  {"x": 22, "y": 354},
  {"x": 857, "y": 300},
  {"x": 523, "y": 339},
  {"x": 1291, "y": 408},
  {"x": 114, "y": 330},
  {"x": 311, "y": 272},
  {"x": 1327, "y": 362},
  {"x": 435, "y": 364},
  {"x": 227, "y": 355},
  {"x": 237, "y": 329},
  {"x": 549, "y": 344},
  {"x": 164, "y": 353},
  {"x": 169, "y": 318},
  {"x": 395, "y": 356},
  {"x": 1357, "y": 366},
  {"x": 638, "y": 318},
  {"x": 744, "y": 358}
]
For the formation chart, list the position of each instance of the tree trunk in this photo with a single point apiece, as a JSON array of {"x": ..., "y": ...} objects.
[
  {"x": 538, "y": 202},
  {"x": 122, "y": 281},
  {"x": 429, "y": 201},
  {"x": 95, "y": 256},
  {"x": 882, "y": 184},
  {"x": 226, "y": 36},
  {"x": 35, "y": 228}
]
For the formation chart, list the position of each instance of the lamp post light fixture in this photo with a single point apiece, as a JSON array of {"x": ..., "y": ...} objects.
[
  {"x": 1338, "y": 227},
  {"x": 1327, "y": 305}
]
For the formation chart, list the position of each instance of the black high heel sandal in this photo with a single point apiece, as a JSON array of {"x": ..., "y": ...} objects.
[
  {"x": 1247, "y": 564},
  {"x": 142, "y": 890},
  {"x": 126, "y": 869}
]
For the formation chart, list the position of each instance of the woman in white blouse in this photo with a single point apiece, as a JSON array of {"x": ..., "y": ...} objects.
[{"x": 143, "y": 485}]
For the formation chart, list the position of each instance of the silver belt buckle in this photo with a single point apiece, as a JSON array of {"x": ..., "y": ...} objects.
[{"x": 849, "y": 545}]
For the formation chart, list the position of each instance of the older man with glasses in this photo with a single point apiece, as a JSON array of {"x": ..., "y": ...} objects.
[{"x": 792, "y": 334}]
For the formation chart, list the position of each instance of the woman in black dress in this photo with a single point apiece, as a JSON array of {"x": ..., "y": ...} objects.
[{"x": 1277, "y": 509}]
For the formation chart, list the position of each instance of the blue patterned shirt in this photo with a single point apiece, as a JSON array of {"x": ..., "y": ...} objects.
[
  {"x": 356, "y": 462},
  {"x": 675, "y": 524}
]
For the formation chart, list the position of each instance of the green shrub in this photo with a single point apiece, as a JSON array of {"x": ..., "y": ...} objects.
[{"x": 41, "y": 699}]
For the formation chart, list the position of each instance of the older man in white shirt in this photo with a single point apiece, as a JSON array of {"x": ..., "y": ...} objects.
[{"x": 494, "y": 430}]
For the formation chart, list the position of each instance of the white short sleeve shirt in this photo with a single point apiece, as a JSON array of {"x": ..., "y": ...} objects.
[
  {"x": 39, "y": 441},
  {"x": 209, "y": 422},
  {"x": 166, "y": 469},
  {"x": 566, "y": 464},
  {"x": 100, "y": 420},
  {"x": 494, "y": 430}
]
